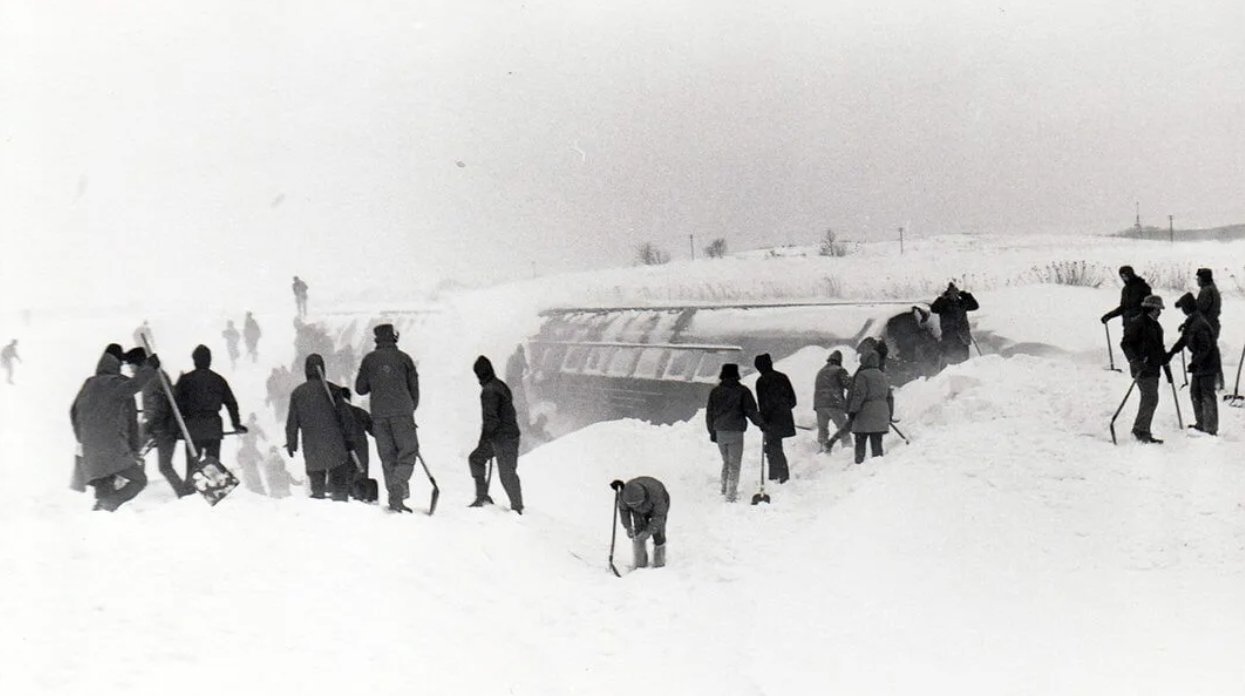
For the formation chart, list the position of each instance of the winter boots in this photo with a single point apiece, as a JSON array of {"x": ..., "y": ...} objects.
[
  {"x": 482, "y": 496},
  {"x": 1146, "y": 438},
  {"x": 659, "y": 555},
  {"x": 639, "y": 549}
]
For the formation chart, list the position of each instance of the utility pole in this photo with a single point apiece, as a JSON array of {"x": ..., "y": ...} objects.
[
  {"x": 1171, "y": 230},
  {"x": 691, "y": 243},
  {"x": 901, "y": 241}
]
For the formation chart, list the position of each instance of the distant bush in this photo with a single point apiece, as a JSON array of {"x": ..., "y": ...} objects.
[
  {"x": 831, "y": 246},
  {"x": 649, "y": 254},
  {"x": 716, "y": 248},
  {"x": 1077, "y": 273}
]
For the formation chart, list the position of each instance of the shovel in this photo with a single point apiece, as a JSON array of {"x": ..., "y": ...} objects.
[{"x": 761, "y": 496}]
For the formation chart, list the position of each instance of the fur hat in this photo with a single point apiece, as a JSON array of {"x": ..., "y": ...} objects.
[
  {"x": 385, "y": 332},
  {"x": 1152, "y": 302},
  {"x": 1205, "y": 274},
  {"x": 729, "y": 371},
  {"x": 1187, "y": 302}
]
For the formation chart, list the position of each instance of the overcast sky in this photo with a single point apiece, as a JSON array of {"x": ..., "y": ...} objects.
[{"x": 394, "y": 143}]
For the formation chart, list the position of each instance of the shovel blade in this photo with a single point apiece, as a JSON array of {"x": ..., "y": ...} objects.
[{"x": 760, "y": 498}]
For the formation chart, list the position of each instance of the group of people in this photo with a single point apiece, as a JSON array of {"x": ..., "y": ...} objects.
[
  {"x": 1143, "y": 347},
  {"x": 250, "y": 333}
]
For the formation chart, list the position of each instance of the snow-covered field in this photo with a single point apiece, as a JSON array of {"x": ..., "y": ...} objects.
[{"x": 1009, "y": 549}]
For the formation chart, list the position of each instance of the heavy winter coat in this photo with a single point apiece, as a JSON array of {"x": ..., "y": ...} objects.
[
  {"x": 830, "y": 387},
  {"x": 730, "y": 408},
  {"x": 952, "y": 311},
  {"x": 1197, "y": 335},
  {"x": 1134, "y": 291},
  {"x": 157, "y": 412},
  {"x": 200, "y": 394},
  {"x": 103, "y": 419},
  {"x": 1209, "y": 303},
  {"x": 498, "y": 419},
  {"x": 324, "y": 438},
  {"x": 1143, "y": 346},
  {"x": 250, "y": 331},
  {"x": 649, "y": 515},
  {"x": 775, "y": 399},
  {"x": 867, "y": 402},
  {"x": 357, "y": 429},
  {"x": 389, "y": 376}
]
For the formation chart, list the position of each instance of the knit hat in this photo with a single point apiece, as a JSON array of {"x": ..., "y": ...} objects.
[
  {"x": 385, "y": 332},
  {"x": 836, "y": 357},
  {"x": 1205, "y": 274},
  {"x": 483, "y": 368},
  {"x": 1152, "y": 302},
  {"x": 729, "y": 371},
  {"x": 202, "y": 357},
  {"x": 1187, "y": 301},
  {"x": 633, "y": 494}
]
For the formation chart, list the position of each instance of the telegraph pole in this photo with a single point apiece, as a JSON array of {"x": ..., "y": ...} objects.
[
  {"x": 901, "y": 241},
  {"x": 1171, "y": 230}
]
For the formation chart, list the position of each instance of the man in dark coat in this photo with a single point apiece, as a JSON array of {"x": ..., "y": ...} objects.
[
  {"x": 160, "y": 428},
  {"x": 952, "y": 308},
  {"x": 643, "y": 505},
  {"x": 251, "y": 334},
  {"x": 868, "y": 408},
  {"x": 200, "y": 394},
  {"x": 775, "y": 401},
  {"x": 1198, "y": 336},
  {"x": 499, "y": 438},
  {"x": 326, "y": 449},
  {"x": 103, "y": 419},
  {"x": 1134, "y": 291},
  {"x": 389, "y": 376},
  {"x": 1143, "y": 346},
  {"x": 1208, "y": 301},
  {"x": 730, "y": 408},
  {"x": 830, "y": 398}
]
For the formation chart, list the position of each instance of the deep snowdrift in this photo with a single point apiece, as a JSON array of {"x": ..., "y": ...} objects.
[{"x": 1010, "y": 548}]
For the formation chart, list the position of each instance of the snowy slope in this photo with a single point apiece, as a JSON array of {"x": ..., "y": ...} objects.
[{"x": 1010, "y": 548}]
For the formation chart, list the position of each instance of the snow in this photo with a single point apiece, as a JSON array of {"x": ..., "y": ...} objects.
[{"x": 1010, "y": 548}]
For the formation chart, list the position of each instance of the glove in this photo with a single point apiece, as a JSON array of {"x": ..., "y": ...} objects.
[
  {"x": 153, "y": 361},
  {"x": 643, "y": 536},
  {"x": 241, "y": 429},
  {"x": 1106, "y": 318},
  {"x": 291, "y": 449},
  {"x": 713, "y": 436}
]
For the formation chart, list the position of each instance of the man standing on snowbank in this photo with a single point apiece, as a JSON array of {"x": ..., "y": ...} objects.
[
  {"x": 1135, "y": 290},
  {"x": 389, "y": 376},
  {"x": 643, "y": 504},
  {"x": 1143, "y": 346},
  {"x": 1209, "y": 303},
  {"x": 102, "y": 416},
  {"x": 775, "y": 401},
  {"x": 499, "y": 437},
  {"x": 952, "y": 308},
  {"x": 300, "y": 296},
  {"x": 730, "y": 408},
  {"x": 1197, "y": 334}
]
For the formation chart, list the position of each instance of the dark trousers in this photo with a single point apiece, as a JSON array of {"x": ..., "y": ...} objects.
[
  {"x": 954, "y": 351},
  {"x": 777, "y": 459},
  {"x": 1149, "y": 389},
  {"x": 398, "y": 445},
  {"x": 506, "y": 454},
  {"x": 335, "y": 482},
  {"x": 109, "y": 497},
  {"x": 1205, "y": 407},
  {"x": 875, "y": 444},
  {"x": 209, "y": 448},
  {"x": 166, "y": 446}
]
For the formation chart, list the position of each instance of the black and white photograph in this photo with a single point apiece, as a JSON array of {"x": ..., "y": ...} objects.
[{"x": 899, "y": 344}]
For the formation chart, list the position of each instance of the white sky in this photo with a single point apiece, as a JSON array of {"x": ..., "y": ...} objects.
[{"x": 219, "y": 148}]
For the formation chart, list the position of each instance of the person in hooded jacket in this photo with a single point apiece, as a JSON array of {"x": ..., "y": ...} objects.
[
  {"x": 1205, "y": 366},
  {"x": 1143, "y": 347},
  {"x": 830, "y": 398},
  {"x": 1209, "y": 303},
  {"x": 326, "y": 443},
  {"x": 730, "y": 408},
  {"x": 952, "y": 308},
  {"x": 643, "y": 505},
  {"x": 499, "y": 438},
  {"x": 1135, "y": 290},
  {"x": 200, "y": 394},
  {"x": 775, "y": 401},
  {"x": 389, "y": 376},
  {"x": 103, "y": 419},
  {"x": 867, "y": 406}
]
